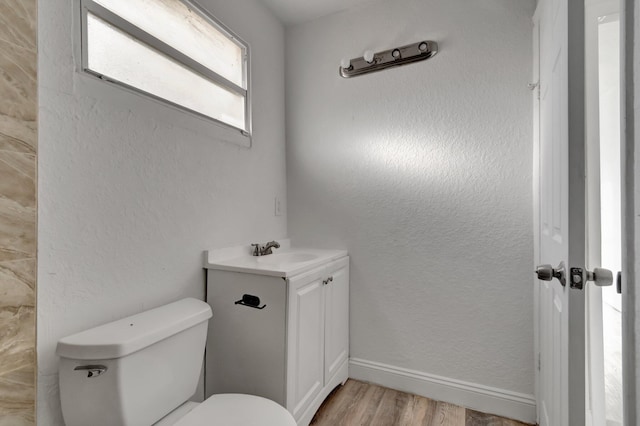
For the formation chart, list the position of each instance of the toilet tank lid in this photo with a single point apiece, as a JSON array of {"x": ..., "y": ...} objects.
[{"x": 128, "y": 335}]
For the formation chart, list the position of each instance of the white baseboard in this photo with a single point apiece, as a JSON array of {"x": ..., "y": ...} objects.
[{"x": 486, "y": 399}]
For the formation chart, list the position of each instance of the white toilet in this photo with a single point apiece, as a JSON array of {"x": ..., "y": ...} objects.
[{"x": 142, "y": 370}]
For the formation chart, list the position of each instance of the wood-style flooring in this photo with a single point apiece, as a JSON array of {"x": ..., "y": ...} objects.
[{"x": 363, "y": 404}]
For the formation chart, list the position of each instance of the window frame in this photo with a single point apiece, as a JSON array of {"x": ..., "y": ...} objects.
[{"x": 89, "y": 6}]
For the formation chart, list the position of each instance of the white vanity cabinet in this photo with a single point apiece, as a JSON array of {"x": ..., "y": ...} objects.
[{"x": 292, "y": 348}]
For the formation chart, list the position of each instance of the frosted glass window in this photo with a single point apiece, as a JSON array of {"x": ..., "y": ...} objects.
[
  {"x": 172, "y": 22},
  {"x": 166, "y": 49}
]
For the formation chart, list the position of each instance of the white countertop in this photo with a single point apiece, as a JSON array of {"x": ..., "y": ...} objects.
[{"x": 285, "y": 262}]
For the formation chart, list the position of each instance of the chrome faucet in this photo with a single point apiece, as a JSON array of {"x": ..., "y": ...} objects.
[{"x": 264, "y": 249}]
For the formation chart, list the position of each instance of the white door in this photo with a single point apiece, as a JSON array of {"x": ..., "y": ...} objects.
[
  {"x": 561, "y": 205},
  {"x": 305, "y": 353},
  {"x": 336, "y": 340}
]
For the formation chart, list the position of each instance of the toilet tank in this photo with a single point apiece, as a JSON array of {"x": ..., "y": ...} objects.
[{"x": 133, "y": 371}]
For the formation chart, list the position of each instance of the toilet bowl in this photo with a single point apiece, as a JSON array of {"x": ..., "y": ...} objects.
[
  {"x": 142, "y": 370},
  {"x": 231, "y": 409}
]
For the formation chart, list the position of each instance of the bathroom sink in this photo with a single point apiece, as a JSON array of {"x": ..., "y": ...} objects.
[
  {"x": 287, "y": 258},
  {"x": 285, "y": 261}
]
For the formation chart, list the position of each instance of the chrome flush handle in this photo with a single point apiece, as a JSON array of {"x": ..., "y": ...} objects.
[{"x": 92, "y": 370}]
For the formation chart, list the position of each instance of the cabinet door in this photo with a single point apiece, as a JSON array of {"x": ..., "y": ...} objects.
[
  {"x": 336, "y": 317},
  {"x": 305, "y": 341}
]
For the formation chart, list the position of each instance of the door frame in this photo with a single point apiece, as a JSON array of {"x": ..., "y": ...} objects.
[
  {"x": 631, "y": 240},
  {"x": 577, "y": 254},
  {"x": 595, "y": 368}
]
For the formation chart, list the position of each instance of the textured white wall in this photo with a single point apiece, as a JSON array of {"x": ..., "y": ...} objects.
[
  {"x": 131, "y": 191},
  {"x": 424, "y": 174}
]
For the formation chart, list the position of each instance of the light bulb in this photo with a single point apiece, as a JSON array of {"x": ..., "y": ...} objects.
[{"x": 368, "y": 56}]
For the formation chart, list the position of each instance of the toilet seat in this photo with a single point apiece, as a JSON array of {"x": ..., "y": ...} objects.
[{"x": 232, "y": 409}]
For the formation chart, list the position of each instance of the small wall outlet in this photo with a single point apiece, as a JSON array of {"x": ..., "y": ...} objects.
[{"x": 277, "y": 207}]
